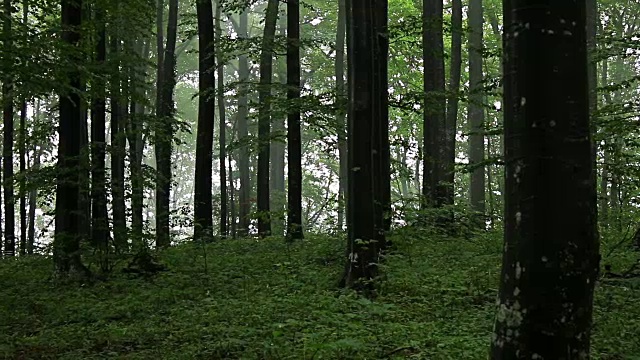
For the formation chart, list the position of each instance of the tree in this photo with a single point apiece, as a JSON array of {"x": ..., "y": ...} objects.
[
  {"x": 341, "y": 32},
  {"x": 99, "y": 214},
  {"x": 243, "y": 132},
  {"x": 451, "y": 121},
  {"x": 66, "y": 245},
  {"x": 203, "y": 213},
  {"x": 551, "y": 260},
  {"x": 367, "y": 59},
  {"x": 224, "y": 231},
  {"x": 434, "y": 188},
  {"x": 294, "y": 213},
  {"x": 264, "y": 117},
  {"x": 476, "y": 110},
  {"x": 7, "y": 145},
  {"x": 118, "y": 144},
  {"x": 164, "y": 129}
]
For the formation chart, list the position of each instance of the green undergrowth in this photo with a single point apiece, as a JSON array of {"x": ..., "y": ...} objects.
[{"x": 248, "y": 299}]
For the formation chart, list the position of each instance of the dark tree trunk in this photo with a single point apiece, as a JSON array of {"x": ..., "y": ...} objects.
[
  {"x": 243, "y": 133},
  {"x": 476, "y": 111},
  {"x": 66, "y": 245},
  {"x": 364, "y": 137},
  {"x": 224, "y": 218},
  {"x": 341, "y": 111},
  {"x": 136, "y": 146},
  {"x": 23, "y": 183},
  {"x": 99, "y": 215},
  {"x": 294, "y": 139},
  {"x": 7, "y": 145},
  {"x": 118, "y": 148},
  {"x": 264, "y": 117},
  {"x": 33, "y": 202},
  {"x": 381, "y": 148},
  {"x": 164, "y": 130},
  {"x": 435, "y": 142},
  {"x": 451, "y": 125},
  {"x": 551, "y": 259},
  {"x": 203, "y": 197}
]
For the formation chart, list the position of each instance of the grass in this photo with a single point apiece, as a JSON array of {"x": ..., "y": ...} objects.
[{"x": 268, "y": 300}]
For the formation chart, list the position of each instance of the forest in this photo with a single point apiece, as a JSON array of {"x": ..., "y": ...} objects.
[{"x": 307, "y": 179}]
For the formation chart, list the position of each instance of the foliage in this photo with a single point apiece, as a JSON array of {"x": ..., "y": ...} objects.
[{"x": 265, "y": 299}]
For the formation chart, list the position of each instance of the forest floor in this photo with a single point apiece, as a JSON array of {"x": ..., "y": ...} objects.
[{"x": 249, "y": 299}]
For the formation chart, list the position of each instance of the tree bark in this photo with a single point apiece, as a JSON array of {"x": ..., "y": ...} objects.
[
  {"x": 243, "y": 132},
  {"x": 434, "y": 152},
  {"x": 451, "y": 122},
  {"x": 118, "y": 147},
  {"x": 294, "y": 139},
  {"x": 164, "y": 130},
  {"x": 203, "y": 197},
  {"x": 264, "y": 117},
  {"x": 476, "y": 111},
  {"x": 224, "y": 211},
  {"x": 551, "y": 258},
  {"x": 66, "y": 245},
  {"x": 7, "y": 145}
]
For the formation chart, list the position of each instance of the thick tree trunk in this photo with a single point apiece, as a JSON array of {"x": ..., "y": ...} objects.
[
  {"x": 451, "y": 124},
  {"x": 264, "y": 117},
  {"x": 551, "y": 258},
  {"x": 66, "y": 245},
  {"x": 294, "y": 139},
  {"x": 203, "y": 197},
  {"x": 243, "y": 133},
  {"x": 434, "y": 159},
  {"x": 164, "y": 130},
  {"x": 476, "y": 111}
]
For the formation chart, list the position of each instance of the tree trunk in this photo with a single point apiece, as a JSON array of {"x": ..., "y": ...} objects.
[
  {"x": 136, "y": 146},
  {"x": 434, "y": 159},
  {"x": 224, "y": 218},
  {"x": 551, "y": 258},
  {"x": 451, "y": 124},
  {"x": 203, "y": 197},
  {"x": 7, "y": 145},
  {"x": 341, "y": 111},
  {"x": 66, "y": 245},
  {"x": 118, "y": 144},
  {"x": 33, "y": 201},
  {"x": 23, "y": 183},
  {"x": 243, "y": 133},
  {"x": 476, "y": 111},
  {"x": 164, "y": 130},
  {"x": 294, "y": 139},
  {"x": 264, "y": 117},
  {"x": 99, "y": 214}
]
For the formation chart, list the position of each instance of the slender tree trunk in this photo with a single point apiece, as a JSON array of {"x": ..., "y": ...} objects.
[
  {"x": 476, "y": 111},
  {"x": 7, "y": 145},
  {"x": 341, "y": 101},
  {"x": 66, "y": 245},
  {"x": 99, "y": 217},
  {"x": 551, "y": 259},
  {"x": 164, "y": 130},
  {"x": 294, "y": 139},
  {"x": 23, "y": 183},
  {"x": 451, "y": 123},
  {"x": 136, "y": 146},
  {"x": 33, "y": 203},
  {"x": 203, "y": 197},
  {"x": 232, "y": 200},
  {"x": 434, "y": 160},
  {"x": 264, "y": 117},
  {"x": 224, "y": 211},
  {"x": 243, "y": 132},
  {"x": 118, "y": 143}
]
